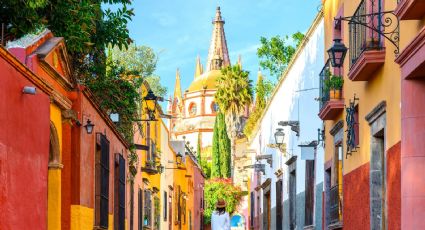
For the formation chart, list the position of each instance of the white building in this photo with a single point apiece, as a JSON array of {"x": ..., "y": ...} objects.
[{"x": 280, "y": 197}]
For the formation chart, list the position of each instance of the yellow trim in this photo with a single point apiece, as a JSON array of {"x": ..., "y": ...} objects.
[{"x": 81, "y": 217}]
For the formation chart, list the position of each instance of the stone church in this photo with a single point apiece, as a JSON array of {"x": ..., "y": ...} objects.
[{"x": 194, "y": 110}]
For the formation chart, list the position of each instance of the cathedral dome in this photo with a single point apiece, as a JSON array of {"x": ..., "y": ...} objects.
[{"x": 207, "y": 80}]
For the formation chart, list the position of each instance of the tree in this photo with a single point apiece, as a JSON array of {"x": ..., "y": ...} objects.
[
  {"x": 216, "y": 161},
  {"x": 225, "y": 148},
  {"x": 221, "y": 188},
  {"x": 140, "y": 62},
  {"x": 87, "y": 26},
  {"x": 276, "y": 53},
  {"x": 221, "y": 150},
  {"x": 234, "y": 93}
]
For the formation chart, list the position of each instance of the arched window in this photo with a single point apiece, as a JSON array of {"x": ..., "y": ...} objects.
[
  {"x": 192, "y": 109},
  {"x": 214, "y": 107}
]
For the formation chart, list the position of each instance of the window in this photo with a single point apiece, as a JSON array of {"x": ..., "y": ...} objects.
[
  {"x": 192, "y": 109},
  {"x": 165, "y": 205},
  {"x": 214, "y": 107},
  {"x": 292, "y": 199},
  {"x": 102, "y": 181},
  {"x": 252, "y": 209},
  {"x": 140, "y": 209},
  {"x": 119, "y": 209},
  {"x": 279, "y": 205},
  {"x": 147, "y": 217},
  {"x": 309, "y": 192},
  {"x": 157, "y": 213}
]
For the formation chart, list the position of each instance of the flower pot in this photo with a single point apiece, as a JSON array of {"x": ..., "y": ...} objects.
[{"x": 335, "y": 94}]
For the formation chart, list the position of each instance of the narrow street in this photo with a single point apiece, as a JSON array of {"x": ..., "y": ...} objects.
[{"x": 240, "y": 115}]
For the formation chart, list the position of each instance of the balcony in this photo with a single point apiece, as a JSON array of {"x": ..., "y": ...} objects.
[
  {"x": 412, "y": 58},
  {"x": 410, "y": 9},
  {"x": 367, "y": 53},
  {"x": 330, "y": 101},
  {"x": 335, "y": 211}
]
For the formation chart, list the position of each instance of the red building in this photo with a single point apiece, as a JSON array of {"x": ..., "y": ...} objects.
[
  {"x": 24, "y": 146},
  {"x": 78, "y": 175}
]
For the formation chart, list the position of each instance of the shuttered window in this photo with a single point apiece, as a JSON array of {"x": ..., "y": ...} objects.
[
  {"x": 121, "y": 193},
  {"x": 140, "y": 209},
  {"x": 252, "y": 209},
  {"x": 279, "y": 205},
  {"x": 165, "y": 205},
  {"x": 102, "y": 181},
  {"x": 309, "y": 192}
]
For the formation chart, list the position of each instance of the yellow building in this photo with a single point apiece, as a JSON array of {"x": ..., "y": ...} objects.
[{"x": 361, "y": 118}]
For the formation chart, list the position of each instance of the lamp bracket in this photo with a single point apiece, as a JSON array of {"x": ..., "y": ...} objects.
[
  {"x": 384, "y": 23},
  {"x": 268, "y": 157},
  {"x": 295, "y": 126}
]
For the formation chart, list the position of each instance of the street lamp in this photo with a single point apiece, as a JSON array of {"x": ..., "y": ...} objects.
[
  {"x": 150, "y": 100},
  {"x": 279, "y": 136},
  {"x": 337, "y": 53},
  {"x": 179, "y": 158},
  {"x": 89, "y": 126}
]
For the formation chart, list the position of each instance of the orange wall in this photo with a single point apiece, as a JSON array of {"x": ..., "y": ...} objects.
[{"x": 384, "y": 85}]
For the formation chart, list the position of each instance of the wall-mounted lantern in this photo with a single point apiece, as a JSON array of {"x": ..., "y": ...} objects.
[
  {"x": 337, "y": 53},
  {"x": 179, "y": 158},
  {"x": 89, "y": 127},
  {"x": 150, "y": 100},
  {"x": 279, "y": 136}
]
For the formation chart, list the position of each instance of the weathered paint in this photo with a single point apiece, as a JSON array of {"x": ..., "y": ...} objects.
[
  {"x": 356, "y": 198},
  {"x": 24, "y": 147}
]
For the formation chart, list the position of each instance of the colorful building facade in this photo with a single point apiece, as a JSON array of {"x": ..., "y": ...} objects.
[
  {"x": 24, "y": 146},
  {"x": 87, "y": 157},
  {"x": 287, "y": 180},
  {"x": 362, "y": 118},
  {"x": 412, "y": 65}
]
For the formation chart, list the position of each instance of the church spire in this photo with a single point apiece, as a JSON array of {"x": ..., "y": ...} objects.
[
  {"x": 177, "y": 87},
  {"x": 218, "y": 53},
  {"x": 199, "y": 70},
  {"x": 240, "y": 61}
]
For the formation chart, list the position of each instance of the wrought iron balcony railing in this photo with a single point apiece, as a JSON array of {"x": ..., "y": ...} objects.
[
  {"x": 361, "y": 37},
  {"x": 335, "y": 205},
  {"x": 324, "y": 95}
]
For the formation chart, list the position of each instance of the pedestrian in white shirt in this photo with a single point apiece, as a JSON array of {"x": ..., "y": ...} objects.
[{"x": 220, "y": 219}]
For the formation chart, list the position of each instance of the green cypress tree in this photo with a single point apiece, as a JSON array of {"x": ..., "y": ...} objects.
[
  {"x": 225, "y": 148},
  {"x": 198, "y": 149},
  {"x": 216, "y": 163}
]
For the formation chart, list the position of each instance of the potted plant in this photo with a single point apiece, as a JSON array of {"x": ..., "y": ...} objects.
[{"x": 333, "y": 84}]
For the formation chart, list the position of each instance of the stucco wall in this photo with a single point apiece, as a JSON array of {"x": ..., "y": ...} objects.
[
  {"x": 24, "y": 150},
  {"x": 293, "y": 100}
]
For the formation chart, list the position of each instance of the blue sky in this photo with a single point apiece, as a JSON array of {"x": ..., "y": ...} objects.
[{"x": 180, "y": 30}]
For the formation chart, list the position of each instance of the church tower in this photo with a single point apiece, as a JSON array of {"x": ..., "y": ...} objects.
[{"x": 194, "y": 111}]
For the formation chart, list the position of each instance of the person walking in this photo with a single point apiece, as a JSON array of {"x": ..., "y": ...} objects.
[{"x": 220, "y": 219}]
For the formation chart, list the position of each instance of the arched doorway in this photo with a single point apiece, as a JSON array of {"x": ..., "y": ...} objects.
[{"x": 54, "y": 181}]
